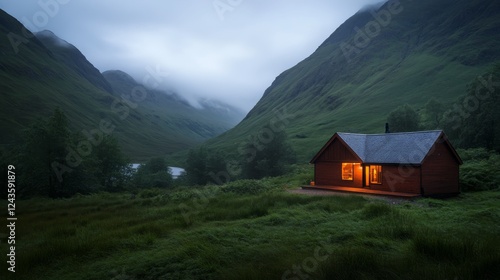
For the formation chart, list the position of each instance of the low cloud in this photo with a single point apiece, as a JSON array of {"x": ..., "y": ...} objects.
[{"x": 232, "y": 58}]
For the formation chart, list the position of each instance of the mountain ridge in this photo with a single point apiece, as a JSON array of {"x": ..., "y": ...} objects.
[
  {"x": 39, "y": 74},
  {"x": 72, "y": 57},
  {"x": 428, "y": 47}
]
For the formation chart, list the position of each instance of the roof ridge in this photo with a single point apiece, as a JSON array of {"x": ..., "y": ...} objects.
[
  {"x": 392, "y": 133},
  {"x": 403, "y": 147},
  {"x": 393, "y": 148}
]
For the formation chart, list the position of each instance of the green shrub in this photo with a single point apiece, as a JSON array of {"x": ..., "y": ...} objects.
[
  {"x": 206, "y": 192},
  {"x": 154, "y": 174},
  {"x": 271, "y": 159},
  {"x": 480, "y": 170},
  {"x": 149, "y": 193},
  {"x": 246, "y": 186},
  {"x": 474, "y": 154}
]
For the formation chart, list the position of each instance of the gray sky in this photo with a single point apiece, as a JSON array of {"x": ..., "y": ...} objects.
[{"x": 229, "y": 50}]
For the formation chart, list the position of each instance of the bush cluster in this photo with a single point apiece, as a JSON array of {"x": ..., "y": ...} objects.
[
  {"x": 480, "y": 170},
  {"x": 246, "y": 186}
]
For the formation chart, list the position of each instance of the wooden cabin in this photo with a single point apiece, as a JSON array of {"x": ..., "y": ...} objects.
[{"x": 421, "y": 163}]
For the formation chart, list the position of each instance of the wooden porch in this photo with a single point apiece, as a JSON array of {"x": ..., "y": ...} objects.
[{"x": 361, "y": 191}]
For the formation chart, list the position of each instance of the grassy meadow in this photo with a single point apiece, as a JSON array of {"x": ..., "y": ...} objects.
[{"x": 256, "y": 230}]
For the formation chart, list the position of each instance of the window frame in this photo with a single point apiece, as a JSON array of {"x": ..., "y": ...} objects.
[
  {"x": 345, "y": 178},
  {"x": 378, "y": 169}
]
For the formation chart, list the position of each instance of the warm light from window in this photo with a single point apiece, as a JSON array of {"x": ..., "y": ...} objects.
[
  {"x": 347, "y": 171},
  {"x": 376, "y": 174}
]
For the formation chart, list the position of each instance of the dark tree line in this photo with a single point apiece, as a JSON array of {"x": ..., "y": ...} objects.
[
  {"x": 47, "y": 163},
  {"x": 269, "y": 159},
  {"x": 254, "y": 161},
  {"x": 54, "y": 162},
  {"x": 202, "y": 164},
  {"x": 473, "y": 121},
  {"x": 153, "y": 174},
  {"x": 404, "y": 119}
]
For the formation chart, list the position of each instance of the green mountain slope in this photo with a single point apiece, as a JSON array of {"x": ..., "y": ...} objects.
[
  {"x": 427, "y": 49},
  {"x": 40, "y": 73},
  {"x": 73, "y": 58},
  {"x": 173, "y": 112}
]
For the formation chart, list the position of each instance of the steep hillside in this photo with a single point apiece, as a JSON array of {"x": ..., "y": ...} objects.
[
  {"x": 42, "y": 72},
  {"x": 33, "y": 82},
  {"x": 73, "y": 58},
  {"x": 374, "y": 62},
  {"x": 170, "y": 110}
]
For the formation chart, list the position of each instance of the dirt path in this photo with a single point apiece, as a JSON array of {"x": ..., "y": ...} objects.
[{"x": 388, "y": 199}]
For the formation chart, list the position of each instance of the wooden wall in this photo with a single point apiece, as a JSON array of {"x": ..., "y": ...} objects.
[
  {"x": 337, "y": 152},
  {"x": 330, "y": 174},
  {"x": 399, "y": 178},
  {"x": 440, "y": 171},
  {"x": 328, "y": 167},
  {"x": 437, "y": 175}
]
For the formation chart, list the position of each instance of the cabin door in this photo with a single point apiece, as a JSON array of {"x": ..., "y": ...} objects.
[
  {"x": 367, "y": 176},
  {"x": 373, "y": 175}
]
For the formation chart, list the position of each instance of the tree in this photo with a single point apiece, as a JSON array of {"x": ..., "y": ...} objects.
[
  {"x": 196, "y": 167},
  {"x": 451, "y": 124},
  {"x": 474, "y": 120},
  {"x": 45, "y": 142},
  {"x": 476, "y": 115},
  {"x": 270, "y": 159},
  {"x": 154, "y": 174},
  {"x": 52, "y": 163},
  {"x": 155, "y": 165},
  {"x": 433, "y": 114},
  {"x": 109, "y": 166},
  {"x": 201, "y": 163},
  {"x": 216, "y": 163},
  {"x": 403, "y": 119}
]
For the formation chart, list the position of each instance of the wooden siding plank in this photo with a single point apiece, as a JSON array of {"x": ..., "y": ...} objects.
[
  {"x": 399, "y": 178},
  {"x": 337, "y": 152},
  {"x": 440, "y": 171},
  {"x": 330, "y": 173}
]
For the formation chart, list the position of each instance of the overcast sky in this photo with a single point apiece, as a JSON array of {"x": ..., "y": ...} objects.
[{"x": 230, "y": 50}]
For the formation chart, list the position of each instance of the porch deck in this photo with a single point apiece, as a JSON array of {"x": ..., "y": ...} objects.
[{"x": 361, "y": 191}]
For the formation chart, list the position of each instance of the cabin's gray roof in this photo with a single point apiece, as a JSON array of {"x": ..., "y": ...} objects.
[{"x": 397, "y": 148}]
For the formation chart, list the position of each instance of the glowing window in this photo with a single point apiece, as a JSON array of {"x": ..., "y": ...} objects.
[
  {"x": 347, "y": 171},
  {"x": 376, "y": 174}
]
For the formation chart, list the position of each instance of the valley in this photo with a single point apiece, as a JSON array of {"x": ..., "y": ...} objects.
[
  {"x": 42, "y": 74},
  {"x": 113, "y": 175}
]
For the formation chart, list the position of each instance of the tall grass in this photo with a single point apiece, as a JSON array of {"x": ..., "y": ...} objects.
[{"x": 260, "y": 235}]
